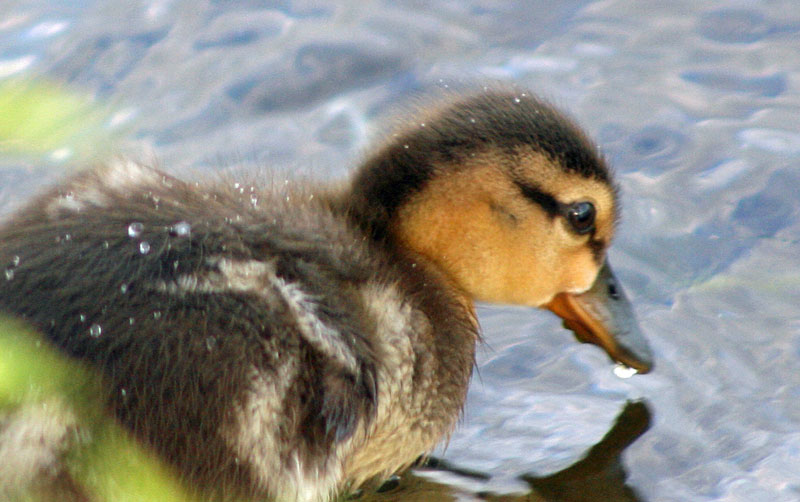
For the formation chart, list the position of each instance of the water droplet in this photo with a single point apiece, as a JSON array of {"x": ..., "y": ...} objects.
[
  {"x": 472, "y": 120},
  {"x": 67, "y": 237},
  {"x": 105, "y": 245},
  {"x": 15, "y": 261},
  {"x": 135, "y": 229},
  {"x": 157, "y": 315},
  {"x": 144, "y": 247},
  {"x": 123, "y": 393},
  {"x": 9, "y": 274},
  {"x": 82, "y": 317},
  {"x": 236, "y": 185},
  {"x": 95, "y": 330},
  {"x": 405, "y": 146},
  {"x": 422, "y": 124},
  {"x": 517, "y": 100},
  {"x": 624, "y": 371},
  {"x": 131, "y": 320},
  {"x": 253, "y": 200},
  {"x": 211, "y": 342},
  {"x": 123, "y": 288},
  {"x": 180, "y": 229}
]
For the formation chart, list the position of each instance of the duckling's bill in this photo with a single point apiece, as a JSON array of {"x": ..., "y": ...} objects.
[{"x": 603, "y": 316}]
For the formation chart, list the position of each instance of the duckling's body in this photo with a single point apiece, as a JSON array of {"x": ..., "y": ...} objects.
[
  {"x": 262, "y": 337},
  {"x": 295, "y": 342}
]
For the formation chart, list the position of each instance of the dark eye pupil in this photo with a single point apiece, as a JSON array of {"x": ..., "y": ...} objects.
[{"x": 581, "y": 216}]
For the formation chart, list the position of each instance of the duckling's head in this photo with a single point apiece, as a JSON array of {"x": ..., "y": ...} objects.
[{"x": 514, "y": 204}]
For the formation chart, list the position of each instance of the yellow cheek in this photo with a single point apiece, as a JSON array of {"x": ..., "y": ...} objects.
[
  {"x": 538, "y": 263},
  {"x": 579, "y": 272},
  {"x": 513, "y": 268},
  {"x": 492, "y": 243}
]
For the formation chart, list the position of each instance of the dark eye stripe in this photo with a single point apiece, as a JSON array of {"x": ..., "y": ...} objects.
[
  {"x": 549, "y": 203},
  {"x": 555, "y": 208},
  {"x": 598, "y": 248}
]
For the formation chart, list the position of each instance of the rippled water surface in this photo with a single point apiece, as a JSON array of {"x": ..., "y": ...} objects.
[{"x": 696, "y": 104}]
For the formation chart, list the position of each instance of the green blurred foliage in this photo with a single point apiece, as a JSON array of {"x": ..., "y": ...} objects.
[
  {"x": 102, "y": 459},
  {"x": 40, "y": 117}
]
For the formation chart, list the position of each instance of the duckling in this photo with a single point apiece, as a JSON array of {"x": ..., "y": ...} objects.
[{"x": 296, "y": 342}]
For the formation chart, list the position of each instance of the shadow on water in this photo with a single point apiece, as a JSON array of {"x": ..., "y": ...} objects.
[{"x": 599, "y": 475}]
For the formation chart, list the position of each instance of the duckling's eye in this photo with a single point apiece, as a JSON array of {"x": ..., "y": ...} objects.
[{"x": 581, "y": 216}]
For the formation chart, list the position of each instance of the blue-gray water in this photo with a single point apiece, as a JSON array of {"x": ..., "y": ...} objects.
[{"x": 695, "y": 103}]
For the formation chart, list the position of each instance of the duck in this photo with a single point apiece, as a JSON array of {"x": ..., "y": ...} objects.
[{"x": 298, "y": 341}]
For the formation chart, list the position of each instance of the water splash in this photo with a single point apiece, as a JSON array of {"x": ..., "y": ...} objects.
[
  {"x": 95, "y": 330},
  {"x": 135, "y": 229},
  {"x": 624, "y": 371},
  {"x": 180, "y": 229}
]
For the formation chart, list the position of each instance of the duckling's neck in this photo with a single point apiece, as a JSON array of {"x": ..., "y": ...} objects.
[
  {"x": 373, "y": 200},
  {"x": 446, "y": 329},
  {"x": 379, "y": 189}
]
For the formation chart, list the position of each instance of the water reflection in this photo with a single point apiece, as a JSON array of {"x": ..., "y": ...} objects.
[{"x": 599, "y": 475}]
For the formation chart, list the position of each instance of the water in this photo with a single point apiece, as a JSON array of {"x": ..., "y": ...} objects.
[
  {"x": 95, "y": 330},
  {"x": 694, "y": 103},
  {"x": 135, "y": 229},
  {"x": 623, "y": 371},
  {"x": 181, "y": 229}
]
